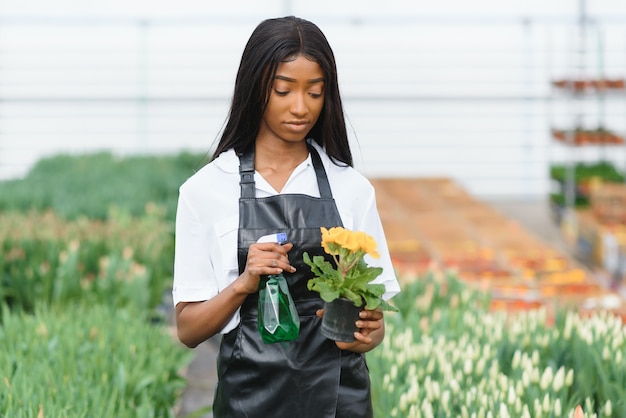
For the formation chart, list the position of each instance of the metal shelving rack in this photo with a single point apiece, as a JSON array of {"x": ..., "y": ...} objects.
[{"x": 587, "y": 84}]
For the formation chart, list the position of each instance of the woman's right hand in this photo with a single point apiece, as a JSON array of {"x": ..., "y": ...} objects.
[
  {"x": 198, "y": 321},
  {"x": 264, "y": 259}
]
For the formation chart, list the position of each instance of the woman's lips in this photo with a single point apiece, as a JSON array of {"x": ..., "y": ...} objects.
[{"x": 297, "y": 126}]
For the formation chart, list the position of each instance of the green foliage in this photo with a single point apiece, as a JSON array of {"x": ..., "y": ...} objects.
[
  {"x": 602, "y": 170},
  {"x": 123, "y": 261},
  {"x": 446, "y": 355},
  {"x": 355, "y": 285},
  {"x": 579, "y": 200},
  {"x": 84, "y": 360},
  {"x": 86, "y": 254},
  {"x": 89, "y": 185}
]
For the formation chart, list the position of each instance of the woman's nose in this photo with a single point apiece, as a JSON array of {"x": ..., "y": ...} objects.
[{"x": 298, "y": 105}]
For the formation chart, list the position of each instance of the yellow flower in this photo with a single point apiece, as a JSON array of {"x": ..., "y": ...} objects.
[
  {"x": 335, "y": 238},
  {"x": 368, "y": 245},
  {"x": 350, "y": 241},
  {"x": 329, "y": 237},
  {"x": 350, "y": 277}
]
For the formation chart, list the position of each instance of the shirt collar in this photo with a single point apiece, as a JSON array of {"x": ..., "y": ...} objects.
[{"x": 228, "y": 162}]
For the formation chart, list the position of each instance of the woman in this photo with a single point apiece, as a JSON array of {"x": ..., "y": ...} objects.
[{"x": 267, "y": 177}]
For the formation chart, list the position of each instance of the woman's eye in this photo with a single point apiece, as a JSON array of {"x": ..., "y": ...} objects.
[
  {"x": 316, "y": 95},
  {"x": 281, "y": 93}
]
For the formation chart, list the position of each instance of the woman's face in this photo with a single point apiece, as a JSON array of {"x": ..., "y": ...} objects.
[{"x": 295, "y": 103}]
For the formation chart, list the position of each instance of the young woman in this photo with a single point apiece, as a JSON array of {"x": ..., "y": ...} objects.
[{"x": 283, "y": 164}]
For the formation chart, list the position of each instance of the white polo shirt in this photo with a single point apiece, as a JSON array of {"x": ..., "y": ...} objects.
[{"x": 207, "y": 220}]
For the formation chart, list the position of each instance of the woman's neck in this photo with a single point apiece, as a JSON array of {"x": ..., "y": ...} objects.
[{"x": 276, "y": 162}]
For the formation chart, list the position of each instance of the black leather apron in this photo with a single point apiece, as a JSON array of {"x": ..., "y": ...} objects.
[{"x": 308, "y": 377}]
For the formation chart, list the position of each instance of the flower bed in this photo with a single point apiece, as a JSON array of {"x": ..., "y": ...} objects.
[
  {"x": 45, "y": 259},
  {"x": 87, "y": 361},
  {"x": 446, "y": 355}
]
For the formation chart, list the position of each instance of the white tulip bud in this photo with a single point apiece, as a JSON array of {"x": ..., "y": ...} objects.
[
  {"x": 445, "y": 398},
  {"x": 546, "y": 378},
  {"x": 546, "y": 403},
  {"x": 393, "y": 372},
  {"x": 511, "y": 396},
  {"x": 504, "y": 412},
  {"x": 557, "y": 407},
  {"x": 606, "y": 354},
  {"x": 436, "y": 390},
  {"x": 535, "y": 357},
  {"x": 537, "y": 408},
  {"x": 534, "y": 375},
  {"x": 467, "y": 367},
  {"x": 427, "y": 409},
  {"x": 516, "y": 359},
  {"x": 559, "y": 379}
]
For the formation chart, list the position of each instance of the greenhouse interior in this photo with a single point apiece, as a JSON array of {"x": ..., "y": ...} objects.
[{"x": 491, "y": 133}]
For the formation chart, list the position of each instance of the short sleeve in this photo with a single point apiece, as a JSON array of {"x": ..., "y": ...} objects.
[
  {"x": 372, "y": 225},
  {"x": 194, "y": 276}
]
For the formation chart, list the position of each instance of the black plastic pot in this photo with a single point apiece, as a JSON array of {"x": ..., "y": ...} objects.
[{"x": 339, "y": 320}]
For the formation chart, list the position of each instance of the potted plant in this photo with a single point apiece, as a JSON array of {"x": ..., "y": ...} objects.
[{"x": 345, "y": 287}]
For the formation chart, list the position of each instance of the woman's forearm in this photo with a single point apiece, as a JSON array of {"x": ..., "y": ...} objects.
[{"x": 198, "y": 321}]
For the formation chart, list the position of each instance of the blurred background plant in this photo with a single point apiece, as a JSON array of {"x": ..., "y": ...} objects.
[
  {"x": 86, "y": 360},
  {"x": 90, "y": 185},
  {"x": 447, "y": 355},
  {"x": 87, "y": 247}
]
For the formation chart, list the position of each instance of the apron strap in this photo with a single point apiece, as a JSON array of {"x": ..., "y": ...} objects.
[
  {"x": 322, "y": 179},
  {"x": 246, "y": 175}
]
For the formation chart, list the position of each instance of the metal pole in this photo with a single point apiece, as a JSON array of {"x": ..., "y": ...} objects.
[
  {"x": 568, "y": 224},
  {"x": 528, "y": 104},
  {"x": 142, "y": 86}
]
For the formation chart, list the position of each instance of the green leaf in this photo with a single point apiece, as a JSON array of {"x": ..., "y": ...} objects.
[
  {"x": 327, "y": 292},
  {"x": 354, "y": 297},
  {"x": 356, "y": 286}
]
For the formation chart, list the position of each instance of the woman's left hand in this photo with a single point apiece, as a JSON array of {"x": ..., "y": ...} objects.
[{"x": 371, "y": 331}]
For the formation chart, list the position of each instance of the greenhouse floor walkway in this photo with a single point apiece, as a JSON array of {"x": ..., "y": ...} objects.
[{"x": 397, "y": 200}]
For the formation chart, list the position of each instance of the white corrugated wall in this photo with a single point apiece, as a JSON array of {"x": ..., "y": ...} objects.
[{"x": 463, "y": 98}]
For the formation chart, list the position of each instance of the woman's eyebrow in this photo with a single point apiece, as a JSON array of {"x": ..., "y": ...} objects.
[{"x": 293, "y": 80}]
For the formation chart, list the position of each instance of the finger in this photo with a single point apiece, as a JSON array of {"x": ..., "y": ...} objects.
[
  {"x": 372, "y": 315},
  {"x": 369, "y": 325},
  {"x": 363, "y": 337},
  {"x": 346, "y": 346},
  {"x": 282, "y": 262},
  {"x": 263, "y": 266},
  {"x": 359, "y": 339},
  {"x": 272, "y": 247},
  {"x": 271, "y": 260}
]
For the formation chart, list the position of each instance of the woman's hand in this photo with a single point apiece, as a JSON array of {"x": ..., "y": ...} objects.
[
  {"x": 198, "y": 321},
  {"x": 371, "y": 331},
  {"x": 264, "y": 259}
]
